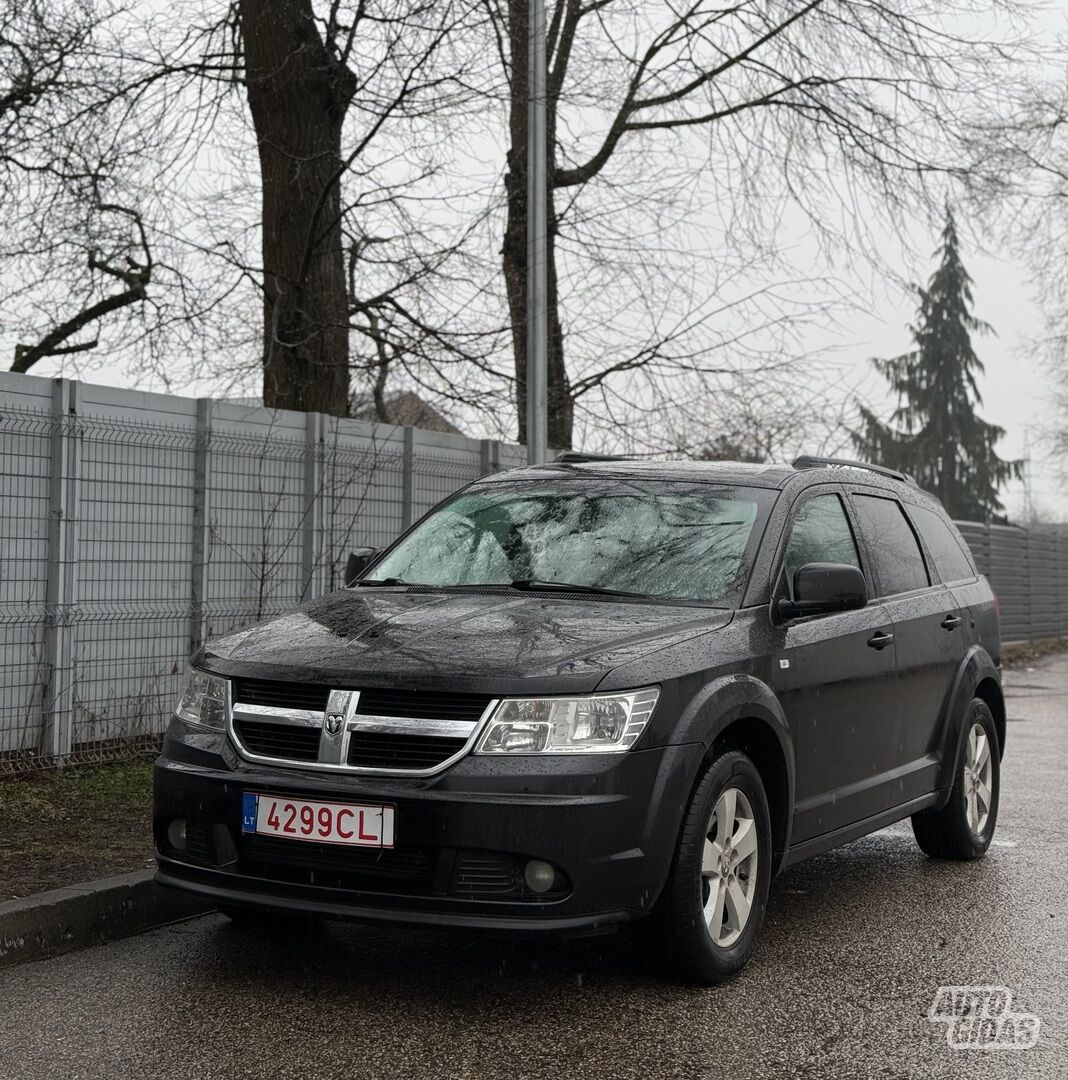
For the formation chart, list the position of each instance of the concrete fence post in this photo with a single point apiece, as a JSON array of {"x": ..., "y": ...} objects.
[
  {"x": 408, "y": 478},
  {"x": 1061, "y": 540},
  {"x": 57, "y": 737},
  {"x": 201, "y": 526},
  {"x": 490, "y": 456},
  {"x": 1028, "y": 591},
  {"x": 313, "y": 564}
]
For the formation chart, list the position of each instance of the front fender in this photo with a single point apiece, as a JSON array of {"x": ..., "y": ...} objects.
[
  {"x": 974, "y": 668},
  {"x": 731, "y": 698}
]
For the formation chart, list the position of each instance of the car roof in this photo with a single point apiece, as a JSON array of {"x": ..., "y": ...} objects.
[
  {"x": 719, "y": 472},
  {"x": 740, "y": 473}
]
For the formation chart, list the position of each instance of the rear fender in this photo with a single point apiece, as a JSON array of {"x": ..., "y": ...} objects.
[{"x": 974, "y": 669}]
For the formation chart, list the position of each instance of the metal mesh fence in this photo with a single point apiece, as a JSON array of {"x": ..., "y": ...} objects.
[{"x": 136, "y": 525}]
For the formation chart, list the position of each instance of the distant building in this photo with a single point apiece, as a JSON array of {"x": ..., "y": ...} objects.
[{"x": 404, "y": 408}]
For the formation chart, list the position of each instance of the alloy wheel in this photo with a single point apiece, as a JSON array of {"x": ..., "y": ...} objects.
[
  {"x": 729, "y": 867},
  {"x": 978, "y": 779}
]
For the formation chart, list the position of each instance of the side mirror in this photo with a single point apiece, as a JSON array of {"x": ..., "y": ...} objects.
[
  {"x": 357, "y": 562},
  {"x": 821, "y": 588}
]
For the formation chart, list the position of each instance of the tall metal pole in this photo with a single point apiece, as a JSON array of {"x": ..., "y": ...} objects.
[{"x": 537, "y": 277}]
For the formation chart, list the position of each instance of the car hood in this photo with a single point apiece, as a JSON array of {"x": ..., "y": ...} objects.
[{"x": 469, "y": 640}]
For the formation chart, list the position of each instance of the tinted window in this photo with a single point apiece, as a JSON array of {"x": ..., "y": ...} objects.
[
  {"x": 898, "y": 562},
  {"x": 946, "y": 548},
  {"x": 820, "y": 533},
  {"x": 663, "y": 540}
]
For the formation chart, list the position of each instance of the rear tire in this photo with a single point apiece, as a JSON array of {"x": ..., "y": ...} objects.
[
  {"x": 964, "y": 827},
  {"x": 705, "y": 924}
]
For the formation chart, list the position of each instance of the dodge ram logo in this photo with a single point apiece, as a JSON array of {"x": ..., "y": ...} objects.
[{"x": 334, "y": 722}]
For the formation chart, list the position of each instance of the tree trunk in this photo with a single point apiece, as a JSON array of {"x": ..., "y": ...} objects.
[
  {"x": 298, "y": 94},
  {"x": 514, "y": 251}
]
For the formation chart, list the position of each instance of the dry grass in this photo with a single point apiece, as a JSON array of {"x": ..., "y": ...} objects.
[
  {"x": 77, "y": 824},
  {"x": 1024, "y": 653}
]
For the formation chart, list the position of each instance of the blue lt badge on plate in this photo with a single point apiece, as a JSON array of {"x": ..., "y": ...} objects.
[{"x": 249, "y": 808}]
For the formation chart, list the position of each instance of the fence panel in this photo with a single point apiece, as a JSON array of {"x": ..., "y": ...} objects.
[
  {"x": 133, "y": 565},
  {"x": 136, "y": 525},
  {"x": 27, "y": 428},
  {"x": 255, "y": 515}
]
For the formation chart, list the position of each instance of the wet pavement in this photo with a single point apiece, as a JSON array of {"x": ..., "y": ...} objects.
[{"x": 856, "y": 944}]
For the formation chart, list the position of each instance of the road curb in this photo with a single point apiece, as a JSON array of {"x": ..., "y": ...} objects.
[{"x": 60, "y": 920}]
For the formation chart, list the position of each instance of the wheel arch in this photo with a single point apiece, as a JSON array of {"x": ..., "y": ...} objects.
[
  {"x": 739, "y": 712},
  {"x": 977, "y": 677},
  {"x": 989, "y": 689}
]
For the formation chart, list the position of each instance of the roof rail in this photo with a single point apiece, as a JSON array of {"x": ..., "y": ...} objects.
[
  {"x": 573, "y": 457},
  {"x": 807, "y": 461}
]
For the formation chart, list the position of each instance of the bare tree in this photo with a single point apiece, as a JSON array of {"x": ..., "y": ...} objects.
[
  {"x": 132, "y": 225},
  {"x": 303, "y": 73},
  {"x": 1020, "y": 194},
  {"x": 299, "y": 88},
  {"x": 768, "y": 420},
  {"x": 57, "y": 162},
  {"x": 805, "y": 105}
]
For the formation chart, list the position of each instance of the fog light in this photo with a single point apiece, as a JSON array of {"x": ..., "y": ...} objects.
[
  {"x": 539, "y": 876},
  {"x": 176, "y": 834}
]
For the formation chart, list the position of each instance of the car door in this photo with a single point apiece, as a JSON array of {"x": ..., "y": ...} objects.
[
  {"x": 929, "y": 634},
  {"x": 836, "y": 679}
]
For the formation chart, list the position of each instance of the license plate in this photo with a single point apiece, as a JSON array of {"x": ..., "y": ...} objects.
[{"x": 358, "y": 825}]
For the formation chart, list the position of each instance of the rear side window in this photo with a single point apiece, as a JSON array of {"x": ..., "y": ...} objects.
[
  {"x": 946, "y": 547},
  {"x": 895, "y": 551},
  {"x": 820, "y": 533}
]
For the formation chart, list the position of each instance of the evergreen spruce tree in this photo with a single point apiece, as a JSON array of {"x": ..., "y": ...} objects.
[{"x": 935, "y": 433}]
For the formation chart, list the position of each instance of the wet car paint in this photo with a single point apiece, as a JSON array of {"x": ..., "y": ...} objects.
[
  {"x": 510, "y": 644},
  {"x": 808, "y": 698}
]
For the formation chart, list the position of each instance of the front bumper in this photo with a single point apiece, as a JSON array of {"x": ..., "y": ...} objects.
[{"x": 607, "y": 822}]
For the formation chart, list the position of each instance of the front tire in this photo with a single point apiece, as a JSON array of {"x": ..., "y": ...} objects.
[
  {"x": 707, "y": 920},
  {"x": 964, "y": 827}
]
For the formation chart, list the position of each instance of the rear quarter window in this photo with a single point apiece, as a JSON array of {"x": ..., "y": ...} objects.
[{"x": 951, "y": 556}]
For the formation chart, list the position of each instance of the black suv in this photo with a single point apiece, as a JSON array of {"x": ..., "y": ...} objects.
[{"x": 596, "y": 692}]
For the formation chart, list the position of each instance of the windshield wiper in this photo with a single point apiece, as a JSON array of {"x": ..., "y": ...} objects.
[
  {"x": 381, "y": 581},
  {"x": 534, "y": 584}
]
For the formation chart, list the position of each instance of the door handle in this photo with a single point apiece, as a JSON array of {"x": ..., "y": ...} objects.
[
  {"x": 880, "y": 639},
  {"x": 951, "y": 622}
]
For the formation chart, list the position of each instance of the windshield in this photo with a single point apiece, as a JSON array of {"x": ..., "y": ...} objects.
[{"x": 689, "y": 542}]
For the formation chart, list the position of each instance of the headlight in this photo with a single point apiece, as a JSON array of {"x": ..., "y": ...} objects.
[
  {"x": 204, "y": 700},
  {"x": 596, "y": 724}
]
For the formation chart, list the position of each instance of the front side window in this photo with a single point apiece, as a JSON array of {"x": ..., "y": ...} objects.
[
  {"x": 895, "y": 551},
  {"x": 687, "y": 542},
  {"x": 820, "y": 534}
]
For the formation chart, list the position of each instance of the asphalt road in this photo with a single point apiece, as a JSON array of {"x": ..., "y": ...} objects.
[{"x": 855, "y": 946}]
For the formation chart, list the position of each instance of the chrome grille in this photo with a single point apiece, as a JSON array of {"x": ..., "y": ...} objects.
[
  {"x": 422, "y": 704},
  {"x": 377, "y": 731},
  {"x": 279, "y": 740},
  {"x": 385, "y": 751},
  {"x": 281, "y": 694}
]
